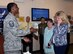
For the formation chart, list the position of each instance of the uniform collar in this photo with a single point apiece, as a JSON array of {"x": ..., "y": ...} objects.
[{"x": 11, "y": 14}]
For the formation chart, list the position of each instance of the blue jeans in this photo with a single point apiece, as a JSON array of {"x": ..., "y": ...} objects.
[{"x": 60, "y": 49}]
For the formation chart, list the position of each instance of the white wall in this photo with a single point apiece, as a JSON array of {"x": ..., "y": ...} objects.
[{"x": 52, "y": 5}]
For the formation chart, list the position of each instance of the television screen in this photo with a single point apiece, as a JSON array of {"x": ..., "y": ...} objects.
[
  {"x": 3, "y": 14},
  {"x": 38, "y": 13}
]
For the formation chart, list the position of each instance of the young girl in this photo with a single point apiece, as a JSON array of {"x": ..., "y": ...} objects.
[{"x": 48, "y": 48}]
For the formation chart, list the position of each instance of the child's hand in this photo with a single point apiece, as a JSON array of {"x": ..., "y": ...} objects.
[{"x": 49, "y": 45}]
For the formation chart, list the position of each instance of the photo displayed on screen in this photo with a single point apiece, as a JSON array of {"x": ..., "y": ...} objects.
[
  {"x": 3, "y": 13},
  {"x": 37, "y": 13}
]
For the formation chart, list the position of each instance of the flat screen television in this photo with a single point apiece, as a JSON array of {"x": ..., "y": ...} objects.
[
  {"x": 38, "y": 13},
  {"x": 3, "y": 14}
]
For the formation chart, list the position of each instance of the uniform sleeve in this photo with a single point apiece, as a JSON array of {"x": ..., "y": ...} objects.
[{"x": 12, "y": 27}]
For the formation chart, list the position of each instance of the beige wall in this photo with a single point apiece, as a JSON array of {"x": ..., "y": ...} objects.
[{"x": 52, "y": 5}]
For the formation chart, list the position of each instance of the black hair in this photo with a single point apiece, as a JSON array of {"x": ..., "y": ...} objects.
[
  {"x": 42, "y": 18},
  {"x": 50, "y": 20},
  {"x": 10, "y": 5}
]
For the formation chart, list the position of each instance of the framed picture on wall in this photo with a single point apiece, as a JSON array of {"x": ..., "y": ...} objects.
[
  {"x": 38, "y": 13},
  {"x": 3, "y": 13}
]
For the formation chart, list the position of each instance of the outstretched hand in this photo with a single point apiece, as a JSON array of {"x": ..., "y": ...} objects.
[{"x": 26, "y": 39}]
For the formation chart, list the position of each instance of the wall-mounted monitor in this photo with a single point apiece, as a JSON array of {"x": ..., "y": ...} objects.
[
  {"x": 37, "y": 13},
  {"x": 3, "y": 14}
]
